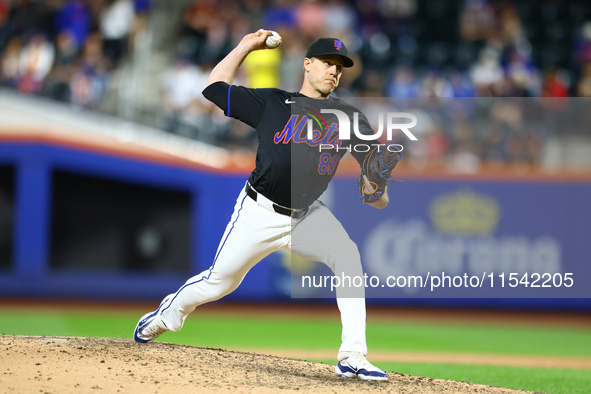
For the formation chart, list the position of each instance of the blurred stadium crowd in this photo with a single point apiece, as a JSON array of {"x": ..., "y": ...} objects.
[
  {"x": 72, "y": 50},
  {"x": 66, "y": 49}
]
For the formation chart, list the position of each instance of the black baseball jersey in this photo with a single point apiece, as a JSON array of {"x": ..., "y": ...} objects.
[{"x": 291, "y": 170}]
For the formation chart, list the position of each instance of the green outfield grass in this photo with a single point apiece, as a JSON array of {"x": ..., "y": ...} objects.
[
  {"x": 548, "y": 380},
  {"x": 267, "y": 332}
]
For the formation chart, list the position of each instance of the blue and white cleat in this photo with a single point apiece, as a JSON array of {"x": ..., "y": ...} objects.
[
  {"x": 357, "y": 365},
  {"x": 151, "y": 325}
]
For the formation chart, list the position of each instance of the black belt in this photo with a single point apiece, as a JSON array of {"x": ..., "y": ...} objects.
[{"x": 296, "y": 214}]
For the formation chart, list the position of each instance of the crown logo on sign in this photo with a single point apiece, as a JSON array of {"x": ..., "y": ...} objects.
[
  {"x": 465, "y": 213},
  {"x": 338, "y": 45}
]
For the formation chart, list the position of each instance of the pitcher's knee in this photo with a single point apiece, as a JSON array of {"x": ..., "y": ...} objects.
[
  {"x": 347, "y": 259},
  {"x": 349, "y": 251}
]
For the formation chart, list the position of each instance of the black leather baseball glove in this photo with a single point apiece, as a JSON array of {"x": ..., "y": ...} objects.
[{"x": 377, "y": 166}]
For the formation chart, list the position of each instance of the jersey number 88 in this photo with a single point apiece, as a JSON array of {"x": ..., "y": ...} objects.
[{"x": 327, "y": 163}]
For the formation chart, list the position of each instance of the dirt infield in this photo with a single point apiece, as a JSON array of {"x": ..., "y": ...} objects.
[
  {"x": 446, "y": 358},
  {"x": 91, "y": 365}
]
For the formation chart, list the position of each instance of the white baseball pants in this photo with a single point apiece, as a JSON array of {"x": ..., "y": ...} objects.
[{"x": 255, "y": 231}]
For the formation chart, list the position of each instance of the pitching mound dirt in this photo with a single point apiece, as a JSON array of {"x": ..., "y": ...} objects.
[{"x": 110, "y": 365}]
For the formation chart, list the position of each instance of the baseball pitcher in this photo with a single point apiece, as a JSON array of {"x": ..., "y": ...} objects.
[{"x": 278, "y": 208}]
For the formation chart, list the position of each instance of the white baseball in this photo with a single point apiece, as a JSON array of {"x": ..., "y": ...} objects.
[{"x": 273, "y": 41}]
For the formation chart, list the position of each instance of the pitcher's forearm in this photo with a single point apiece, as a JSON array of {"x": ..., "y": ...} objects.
[
  {"x": 225, "y": 71},
  {"x": 382, "y": 202}
]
